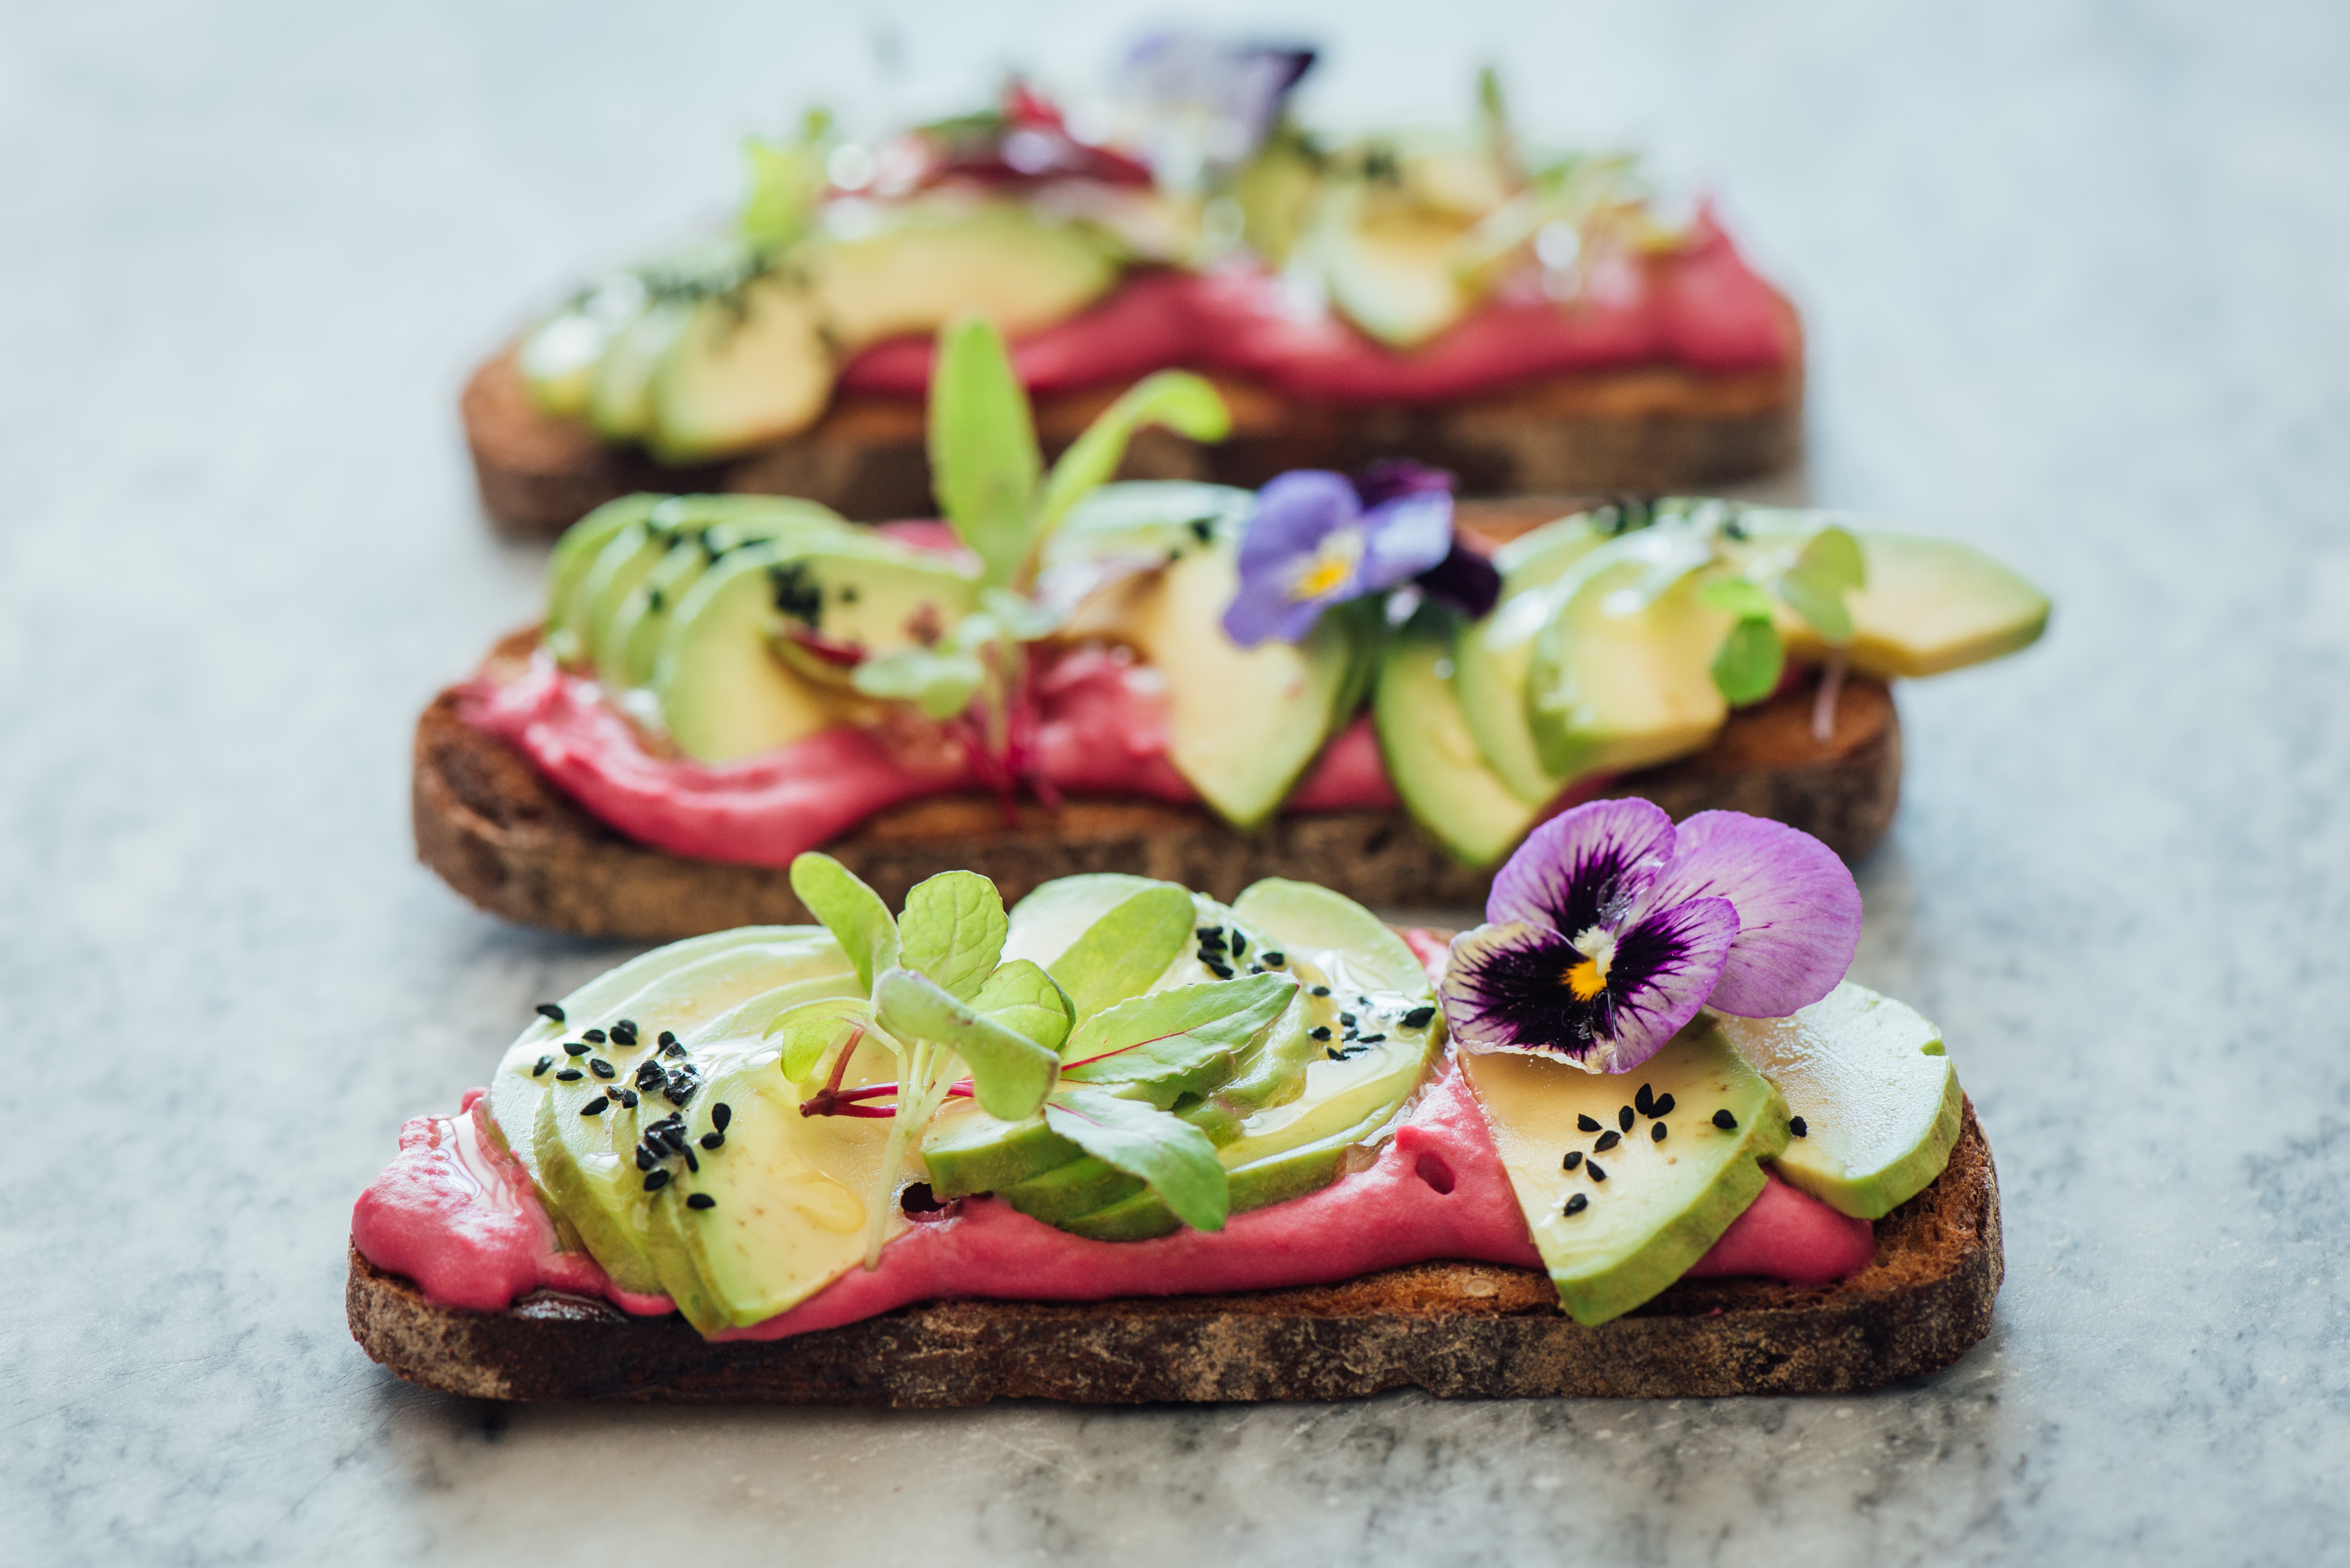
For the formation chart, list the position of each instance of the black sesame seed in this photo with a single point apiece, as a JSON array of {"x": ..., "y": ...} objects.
[
  {"x": 594, "y": 1108},
  {"x": 1319, "y": 1032},
  {"x": 601, "y": 1068},
  {"x": 1574, "y": 1158},
  {"x": 665, "y": 1040},
  {"x": 1724, "y": 1120},
  {"x": 1664, "y": 1106},
  {"x": 576, "y": 1047},
  {"x": 1240, "y": 944},
  {"x": 1334, "y": 1054},
  {"x": 628, "y": 1098},
  {"x": 1587, "y": 1124},
  {"x": 1795, "y": 1124},
  {"x": 720, "y": 1114},
  {"x": 673, "y": 1049},
  {"x": 692, "y": 1164},
  {"x": 1624, "y": 1118},
  {"x": 701, "y": 1200},
  {"x": 1418, "y": 1018},
  {"x": 1220, "y": 970},
  {"x": 570, "y": 1075},
  {"x": 1321, "y": 990},
  {"x": 646, "y": 1156},
  {"x": 548, "y": 1010},
  {"x": 1607, "y": 1140},
  {"x": 1597, "y": 1174},
  {"x": 624, "y": 1033},
  {"x": 656, "y": 1179},
  {"x": 1645, "y": 1102},
  {"x": 648, "y": 1074},
  {"x": 1371, "y": 1039},
  {"x": 1274, "y": 959},
  {"x": 712, "y": 1139},
  {"x": 1212, "y": 936},
  {"x": 543, "y": 1063},
  {"x": 1657, "y": 1133},
  {"x": 595, "y": 1034},
  {"x": 1578, "y": 1203},
  {"x": 670, "y": 1135}
]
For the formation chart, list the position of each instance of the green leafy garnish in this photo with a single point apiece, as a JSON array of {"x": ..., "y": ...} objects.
[
  {"x": 1748, "y": 665},
  {"x": 1009, "y": 1072},
  {"x": 1021, "y": 996},
  {"x": 942, "y": 684},
  {"x": 1175, "y": 399},
  {"x": 1828, "y": 567},
  {"x": 784, "y": 180},
  {"x": 854, "y": 913},
  {"x": 1166, "y": 1043},
  {"x": 1126, "y": 950},
  {"x": 983, "y": 459},
  {"x": 952, "y": 931},
  {"x": 1174, "y": 1157}
]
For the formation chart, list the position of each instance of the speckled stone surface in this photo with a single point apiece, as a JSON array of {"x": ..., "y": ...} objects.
[{"x": 2075, "y": 277}]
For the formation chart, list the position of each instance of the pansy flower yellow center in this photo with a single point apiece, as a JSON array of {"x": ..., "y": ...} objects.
[
  {"x": 1587, "y": 978},
  {"x": 1326, "y": 570}
]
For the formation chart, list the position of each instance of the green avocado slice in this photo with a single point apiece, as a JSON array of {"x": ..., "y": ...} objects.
[
  {"x": 1492, "y": 657},
  {"x": 1430, "y": 752}
]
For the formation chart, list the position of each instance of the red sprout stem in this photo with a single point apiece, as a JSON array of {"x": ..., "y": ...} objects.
[{"x": 1823, "y": 706}]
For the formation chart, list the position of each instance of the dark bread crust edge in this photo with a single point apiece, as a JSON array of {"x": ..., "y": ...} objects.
[
  {"x": 1650, "y": 428},
  {"x": 1457, "y": 1330},
  {"x": 500, "y": 834}
]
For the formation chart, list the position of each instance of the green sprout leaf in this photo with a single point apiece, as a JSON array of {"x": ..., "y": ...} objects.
[
  {"x": 1173, "y": 1156},
  {"x": 1737, "y": 596},
  {"x": 983, "y": 459},
  {"x": 1127, "y": 948},
  {"x": 783, "y": 180},
  {"x": 1010, "y": 1074},
  {"x": 808, "y": 1033},
  {"x": 1024, "y": 998},
  {"x": 1829, "y": 566},
  {"x": 1747, "y": 668},
  {"x": 952, "y": 931},
  {"x": 942, "y": 684},
  {"x": 854, "y": 913},
  {"x": 1181, "y": 401},
  {"x": 1168, "y": 1043}
]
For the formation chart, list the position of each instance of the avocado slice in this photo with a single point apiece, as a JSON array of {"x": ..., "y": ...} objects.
[
  {"x": 1491, "y": 657},
  {"x": 744, "y": 368},
  {"x": 1395, "y": 274},
  {"x": 1931, "y": 606},
  {"x": 1649, "y": 1208},
  {"x": 932, "y": 261},
  {"x": 643, "y": 620},
  {"x": 1431, "y": 755},
  {"x": 619, "y": 389},
  {"x": 1878, "y": 1098},
  {"x": 843, "y": 596},
  {"x": 568, "y": 566},
  {"x": 627, "y": 559},
  {"x": 722, "y": 691}
]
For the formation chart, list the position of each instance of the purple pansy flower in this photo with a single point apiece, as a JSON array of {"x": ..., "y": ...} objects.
[
  {"x": 1610, "y": 927},
  {"x": 1206, "y": 101},
  {"x": 1313, "y": 542}
]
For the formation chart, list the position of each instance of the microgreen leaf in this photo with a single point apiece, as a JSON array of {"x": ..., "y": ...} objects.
[
  {"x": 854, "y": 913},
  {"x": 784, "y": 180},
  {"x": 1021, "y": 997},
  {"x": 952, "y": 931},
  {"x": 1126, "y": 950},
  {"x": 941, "y": 684},
  {"x": 1737, "y": 596},
  {"x": 1173, "y": 1156},
  {"x": 1747, "y": 667},
  {"x": 983, "y": 459},
  {"x": 807, "y": 1033},
  {"x": 1827, "y": 568},
  {"x": 1181, "y": 401},
  {"x": 1165, "y": 1044},
  {"x": 1010, "y": 1074}
]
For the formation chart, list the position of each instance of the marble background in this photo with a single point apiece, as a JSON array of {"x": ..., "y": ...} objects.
[{"x": 2077, "y": 283}]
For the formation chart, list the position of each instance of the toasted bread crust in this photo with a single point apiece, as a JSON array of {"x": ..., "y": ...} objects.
[
  {"x": 1649, "y": 429},
  {"x": 1458, "y": 1330}
]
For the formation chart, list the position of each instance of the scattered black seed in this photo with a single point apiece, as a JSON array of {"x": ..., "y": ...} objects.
[
  {"x": 1795, "y": 1124},
  {"x": 1319, "y": 1032},
  {"x": 712, "y": 1139},
  {"x": 1348, "y": 1019},
  {"x": 656, "y": 1179},
  {"x": 543, "y": 1063},
  {"x": 1274, "y": 959},
  {"x": 1587, "y": 1124},
  {"x": 1624, "y": 1118},
  {"x": 1657, "y": 1133},
  {"x": 601, "y": 1068},
  {"x": 692, "y": 1164},
  {"x": 1597, "y": 1174},
  {"x": 682, "y": 1085},
  {"x": 1724, "y": 1120},
  {"x": 570, "y": 1075},
  {"x": 595, "y": 1034},
  {"x": 1240, "y": 944},
  {"x": 548, "y": 1010},
  {"x": 701, "y": 1200},
  {"x": 1220, "y": 970},
  {"x": 1574, "y": 1158},
  {"x": 646, "y": 1157},
  {"x": 649, "y": 1075},
  {"x": 665, "y": 1040},
  {"x": 1210, "y": 936},
  {"x": 668, "y": 1134},
  {"x": 1321, "y": 990},
  {"x": 1334, "y": 1054},
  {"x": 1607, "y": 1140},
  {"x": 1256, "y": 969},
  {"x": 720, "y": 1114},
  {"x": 1578, "y": 1203},
  {"x": 576, "y": 1047},
  {"x": 1664, "y": 1106},
  {"x": 1418, "y": 1018},
  {"x": 628, "y": 1098},
  {"x": 624, "y": 1033},
  {"x": 1371, "y": 1039},
  {"x": 594, "y": 1108},
  {"x": 1645, "y": 1102}
]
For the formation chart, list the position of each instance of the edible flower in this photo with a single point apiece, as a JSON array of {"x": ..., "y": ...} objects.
[
  {"x": 1318, "y": 539},
  {"x": 1610, "y": 927},
  {"x": 1205, "y": 102}
]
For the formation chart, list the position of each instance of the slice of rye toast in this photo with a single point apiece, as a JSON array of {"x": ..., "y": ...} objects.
[
  {"x": 1649, "y": 429},
  {"x": 1457, "y": 1330}
]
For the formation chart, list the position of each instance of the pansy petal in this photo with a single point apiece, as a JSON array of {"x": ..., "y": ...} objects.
[
  {"x": 1580, "y": 861},
  {"x": 1383, "y": 479},
  {"x": 1798, "y": 909},
  {"x": 1294, "y": 513},
  {"x": 1260, "y": 609},
  {"x": 1505, "y": 989},
  {"x": 1665, "y": 966},
  {"x": 1404, "y": 537}
]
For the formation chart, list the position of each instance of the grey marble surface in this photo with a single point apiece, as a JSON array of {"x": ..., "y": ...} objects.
[{"x": 2078, "y": 282}]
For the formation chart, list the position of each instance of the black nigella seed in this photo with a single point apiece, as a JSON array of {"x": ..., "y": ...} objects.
[
  {"x": 1348, "y": 1019},
  {"x": 1645, "y": 1102},
  {"x": 692, "y": 1164},
  {"x": 656, "y": 1179},
  {"x": 1597, "y": 1174},
  {"x": 1574, "y": 1158},
  {"x": 602, "y": 1068},
  {"x": 1664, "y": 1106},
  {"x": 1370, "y": 1039},
  {"x": 548, "y": 1010},
  {"x": 628, "y": 1098},
  {"x": 1210, "y": 936},
  {"x": 712, "y": 1139},
  {"x": 1321, "y": 990},
  {"x": 1578, "y": 1203},
  {"x": 1220, "y": 970},
  {"x": 624, "y": 1033},
  {"x": 1240, "y": 944},
  {"x": 595, "y": 1034},
  {"x": 1795, "y": 1124},
  {"x": 1334, "y": 1053},
  {"x": 1420, "y": 1018},
  {"x": 576, "y": 1047},
  {"x": 649, "y": 1076},
  {"x": 570, "y": 1075},
  {"x": 701, "y": 1200},
  {"x": 594, "y": 1108},
  {"x": 1319, "y": 1032},
  {"x": 646, "y": 1156},
  {"x": 1607, "y": 1140},
  {"x": 1657, "y": 1133},
  {"x": 1274, "y": 959},
  {"x": 720, "y": 1114},
  {"x": 1587, "y": 1124},
  {"x": 665, "y": 1040},
  {"x": 672, "y": 1136},
  {"x": 1624, "y": 1118},
  {"x": 1724, "y": 1120},
  {"x": 673, "y": 1049},
  {"x": 543, "y": 1063}
]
